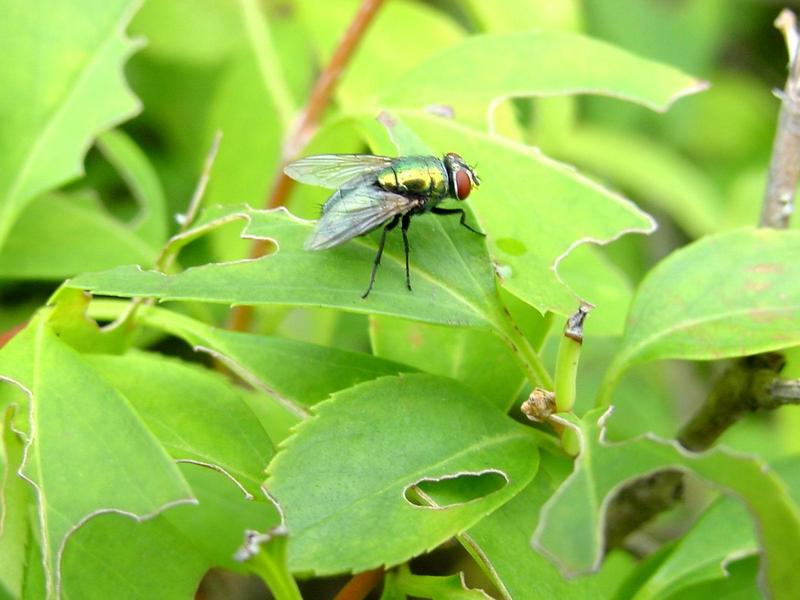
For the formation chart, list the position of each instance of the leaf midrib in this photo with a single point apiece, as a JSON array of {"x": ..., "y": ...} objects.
[
  {"x": 633, "y": 351},
  {"x": 57, "y": 114}
]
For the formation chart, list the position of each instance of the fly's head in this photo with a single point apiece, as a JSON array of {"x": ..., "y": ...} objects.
[{"x": 462, "y": 177}]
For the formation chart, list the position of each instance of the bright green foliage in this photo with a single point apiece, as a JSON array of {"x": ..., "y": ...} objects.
[
  {"x": 197, "y": 416},
  {"x": 601, "y": 468},
  {"x": 130, "y": 431},
  {"x": 723, "y": 534},
  {"x": 63, "y": 87},
  {"x": 83, "y": 235},
  {"x": 124, "y": 469},
  {"x": 534, "y": 64},
  {"x": 253, "y": 357},
  {"x": 463, "y": 296},
  {"x": 268, "y": 558},
  {"x": 138, "y": 173},
  {"x": 429, "y": 429},
  {"x": 668, "y": 181},
  {"x": 480, "y": 360},
  {"x": 402, "y": 582},
  {"x": 502, "y": 542},
  {"x": 157, "y": 453},
  {"x": 164, "y": 557},
  {"x": 13, "y": 508},
  {"x": 378, "y": 63},
  {"x": 727, "y": 295}
]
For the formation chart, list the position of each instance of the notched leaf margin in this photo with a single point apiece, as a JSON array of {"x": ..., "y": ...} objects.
[{"x": 53, "y": 572}]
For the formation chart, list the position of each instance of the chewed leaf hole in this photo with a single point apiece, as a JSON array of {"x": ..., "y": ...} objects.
[{"x": 451, "y": 490}]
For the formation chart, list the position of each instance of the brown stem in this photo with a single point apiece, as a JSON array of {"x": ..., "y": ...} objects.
[
  {"x": 746, "y": 386},
  {"x": 297, "y": 139},
  {"x": 638, "y": 502},
  {"x": 360, "y": 585},
  {"x": 320, "y": 97},
  {"x": 750, "y": 384},
  {"x": 784, "y": 168},
  {"x": 9, "y": 334}
]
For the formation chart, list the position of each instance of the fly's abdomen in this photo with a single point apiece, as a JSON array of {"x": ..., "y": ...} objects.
[{"x": 415, "y": 175}]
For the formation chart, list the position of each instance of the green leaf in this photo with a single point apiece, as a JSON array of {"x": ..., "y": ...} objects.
[
  {"x": 721, "y": 535},
  {"x": 197, "y": 415},
  {"x": 344, "y": 474},
  {"x": 570, "y": 530},
  {"x": 401, "y": 583},
  {"x": 534, "y": 209},
  {"x": 652, "y": 28},
  {"x": 500, "y": 543},
  {"x": 741, "y": 583},
  {"x": 135, "y": 168},
  {"x": 87, "y": 450},
  {"x": 649, "y": 170},
  {"x": 451, "y": 274},
  {"x": 13, "y": 510},
  {"x": 60, "y": 235},
  {"x": 269, "y": 67},
  {"x": 243, "y": 110},
  {"x": 507, "y": 16},
  {"x": 61, "y": 87},
  {"x": 385, "y": 52},
  {"x": 477, "y": 359},
  {"x": 276, "y": 365},
  {"x": 172, "y": 28},
  {"x": 731, "y": 294},
  {"x": 588, "y": 271},
  {"x": 112, "y": 556},
  {"x": 485, "y": 68}
]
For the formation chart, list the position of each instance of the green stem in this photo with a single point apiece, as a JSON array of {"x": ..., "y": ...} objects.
[
  {"x": 569, "y": 352},
  {"x": 277, "y": 577},
  {"x": 570, "y": 442}
]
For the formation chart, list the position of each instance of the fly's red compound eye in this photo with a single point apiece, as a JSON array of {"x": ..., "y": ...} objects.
[{"x": 463, "y": 184}]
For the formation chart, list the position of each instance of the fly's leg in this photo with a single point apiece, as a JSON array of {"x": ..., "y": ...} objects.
[
  {"x": 392, "y": 224},
  {"x": 456, "y": 211},
  {"x": 404, "y": 228}
]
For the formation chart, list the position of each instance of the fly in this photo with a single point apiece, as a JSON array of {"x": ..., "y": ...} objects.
[{"x": 380, "y": 191}]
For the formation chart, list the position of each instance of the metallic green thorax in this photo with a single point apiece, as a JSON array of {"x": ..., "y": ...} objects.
[{"x": 418, "y": 176}]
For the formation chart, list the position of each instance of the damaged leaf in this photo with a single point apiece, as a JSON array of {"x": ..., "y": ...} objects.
[
  {"x": 275, "y": 365},
  {"x": 88, "y": 451},
  {"x": 450, "y": 271},
  {"x": 343, "y": 475},
  {"x": 72, "y": 86},
  {"x": 540, "y": 63},
  {"x": 113, "y": 556},
  {"x": 196, "y": 414},
  {"x": 570, "y": 531},
  {"x": 534, "y": 209}
]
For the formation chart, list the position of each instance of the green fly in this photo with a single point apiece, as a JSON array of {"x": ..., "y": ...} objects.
[{"x": 379, "y": 191}]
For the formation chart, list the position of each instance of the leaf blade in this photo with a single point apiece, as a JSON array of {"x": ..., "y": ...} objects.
[
  {"x": 366, "y": 495},
  {"x": 78, "y": 91}
]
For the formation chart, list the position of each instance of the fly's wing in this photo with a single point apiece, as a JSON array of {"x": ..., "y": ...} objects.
[
  {"x": 353, "y": 212},
  {"x": 337, "y": 170}
]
